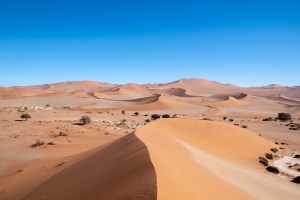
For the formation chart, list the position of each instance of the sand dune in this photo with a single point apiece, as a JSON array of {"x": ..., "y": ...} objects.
[
  {"x": 119, "y": 94},
  {"x": 181, "y": 88},
  {"x": 193, "y": 158},
  {"x": 134, "y": 87},
  {"x": 202, "y": 86},
  {"x": 73, "y": 86},
  {"x": 120, "y": 170},
  {"x": 17, "y": 92},
  {"x": 224, "y": 97}
]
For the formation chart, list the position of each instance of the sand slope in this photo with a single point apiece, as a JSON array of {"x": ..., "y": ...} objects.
[
  {"x": 193, "y": 159},
  {"x": 120, "y": 170}
]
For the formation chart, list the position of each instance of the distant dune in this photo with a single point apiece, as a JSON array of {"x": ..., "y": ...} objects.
[
  {"x": 177, "y": 88},
  {"x": 180, "y": 94}
]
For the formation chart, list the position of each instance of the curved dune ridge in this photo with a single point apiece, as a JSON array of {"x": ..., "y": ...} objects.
[
  {"x": 224, "y": 97},
  {"x": 179, "y": 92},
  {"x": 143, "y": 100},
  {"x": 163, "y": 102},
  {"x": 197, "y": 159},
  {"x": 126, "y": 92},
  {"x": 120, "y": 170},
  {"x": 230, "y": 102},
  {"x": 156, "y": 101}
]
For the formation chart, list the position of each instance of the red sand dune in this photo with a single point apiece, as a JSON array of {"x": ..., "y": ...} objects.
[
  {"x": 194, "y": 86},
  {"x": 197, "y": 159}
]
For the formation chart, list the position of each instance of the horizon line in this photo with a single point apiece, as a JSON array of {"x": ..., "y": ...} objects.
[{"x": 99, "y": 81}]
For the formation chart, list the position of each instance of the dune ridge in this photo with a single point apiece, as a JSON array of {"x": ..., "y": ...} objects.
[{"x": 119, "y": 170}]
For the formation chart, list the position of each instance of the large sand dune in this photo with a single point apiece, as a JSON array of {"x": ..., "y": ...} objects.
[{"x": 208, "y": 160}]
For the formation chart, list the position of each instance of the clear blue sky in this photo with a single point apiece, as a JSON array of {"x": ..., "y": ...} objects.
[{"x": 244, "y": 42}]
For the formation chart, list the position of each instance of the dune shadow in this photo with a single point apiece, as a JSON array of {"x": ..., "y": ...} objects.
[{"x": 119, "y": 170}]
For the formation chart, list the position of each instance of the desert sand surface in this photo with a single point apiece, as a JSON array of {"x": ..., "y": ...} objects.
[{"x": 212, "y": 143}]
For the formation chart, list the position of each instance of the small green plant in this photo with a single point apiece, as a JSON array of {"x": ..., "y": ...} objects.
[
  {"x": 155, "y": 116},
  {"x": 272, "y": 169},
  {"x": 165, "y": 116},
  {"x": 123, "y": 112},
  {"x": 123, "y": 122},
  {"x": 296, "y": 180},
  {"x": 50, "y": 143},
  {"x": 37, "y": 143},
  {"x": 294, "y": 126},
  {"x": 297, "y": 156},
  {"x": 206, "y": 118},
  {"x": 85, "y": 119},
  {"x": 284, "y": 116},
  {"x": 25, "y": 116},
  {"x": 22, "y": 109},
  {"x": 263, "y": 161},
  {"x": 269, "y": 156},
  {"x": 274, "y": 150}
]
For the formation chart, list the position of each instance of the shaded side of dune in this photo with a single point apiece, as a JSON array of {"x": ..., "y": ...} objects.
[{"x": 120, "y": 170}]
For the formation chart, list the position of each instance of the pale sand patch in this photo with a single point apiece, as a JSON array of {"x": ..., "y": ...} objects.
[
  {"x": 245, "y": 178},
  {"x": 283, "y": 165}
]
